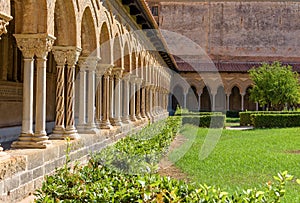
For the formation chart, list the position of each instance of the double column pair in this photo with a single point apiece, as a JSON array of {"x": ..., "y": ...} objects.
[
  {"x": 66, "y": 58},
  {"x": 34, "y": 45},
  {"x": 108, "y": 105}
]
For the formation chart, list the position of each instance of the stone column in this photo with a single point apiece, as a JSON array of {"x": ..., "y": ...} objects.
[
  {"x": 60, "y": 58},
  {"x": 90, "y": 126},
  {"x": 170, "y": 105},
  {"x": 82, "y": 94},
  {"x": 256, "y": 106},
  {"x": 213, "y": 106},
  {"x": 132, "y": 99},
  {"x": 199, "y": 101},
  {"x": 99, "y": 98},
  {"x": 242, "y": 101},
  {"x": 147, "y": 102},
  {"x": 138, "y": 99},
  {"x": 40, "y": 45},
  {"x": 152, "y": 92},
  {"x": 105, "y": 123},
  {"x": 111, "y": 102},
  {"x": 126, "y": 88},
  {"x": 117, "y": 72},
  {"x": 72, "y": 58},
  {"x": 228, "y": 102},
  {"x": 184, "y": 100},
  {"x": 143, "y": 102}
]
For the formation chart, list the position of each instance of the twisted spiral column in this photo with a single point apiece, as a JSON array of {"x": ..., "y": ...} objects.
[
  {"x": 71, "y": 60},
  {"x": 60, "y": 59}
]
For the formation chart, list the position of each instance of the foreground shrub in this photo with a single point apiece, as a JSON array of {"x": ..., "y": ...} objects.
[
  {"x": 213, "y": 121},
  {"x": 140, "y": 153},
  {"x": 275, "y": 120},
  {"x": 101, "y": 184}
]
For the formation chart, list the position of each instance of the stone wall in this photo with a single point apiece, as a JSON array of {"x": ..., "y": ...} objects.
[
  {"x": 22, "y": 171},
  {"x": 243, "y": 31}
]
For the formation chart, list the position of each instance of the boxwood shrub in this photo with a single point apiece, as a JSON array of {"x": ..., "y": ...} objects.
[
  {"x": 206, "y": 121},
  {"x": 245, "y": 117},
  {"x": 275, "y": 120}
]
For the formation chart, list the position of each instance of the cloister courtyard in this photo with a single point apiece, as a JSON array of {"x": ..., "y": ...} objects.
[{"x": 146, "y": 101}]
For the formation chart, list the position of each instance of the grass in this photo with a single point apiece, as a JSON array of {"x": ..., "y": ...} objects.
[{"x": 242, "y": 159}]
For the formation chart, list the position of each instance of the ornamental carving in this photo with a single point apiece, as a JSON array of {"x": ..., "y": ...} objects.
[
  {"x": 3, "y": 23},
  {"x": 35, "y": 44},
  {"x": 72, "y": 56}
]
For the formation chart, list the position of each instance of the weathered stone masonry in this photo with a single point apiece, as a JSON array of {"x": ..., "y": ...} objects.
[{"x": 85, "y": 70}]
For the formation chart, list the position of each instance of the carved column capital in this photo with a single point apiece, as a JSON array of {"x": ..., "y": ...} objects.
[
  {"x": 35, "y": 44},
  {"x": 108, "y": 72},
  {"x": 117, "y": 72},
  {"x": 72, "y": 55},
  {"x": 59, "y": 56},
  {"x": 4, "y": 20}
]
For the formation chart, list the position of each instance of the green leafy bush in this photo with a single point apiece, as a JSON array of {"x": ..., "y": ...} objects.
[
  {"x": 245, "y": 117},
  {"x": 101, "y": 184},
  {"x": 275, "y": 120},
  {"x": 213, "y": 121},
  {"x": 140, "y": 153}
]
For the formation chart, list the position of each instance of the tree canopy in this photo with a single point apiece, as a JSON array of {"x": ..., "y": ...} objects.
[{"x": 275, "y": 85}]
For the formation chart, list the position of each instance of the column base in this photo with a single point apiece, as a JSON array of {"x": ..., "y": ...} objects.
[
  {"x": 105, "y": 125},
  {"x": 117, "y": 122},
  {"x": 58, "y": 130},
  {"x": 31, "y": 141},
  {"x": 133, "y": 118},
  {"x": 71, "y": 132},
  {"x": 126, "y": 120},
  {"x": 138, "y": 117},
  {"x": 87, "y": 129}
]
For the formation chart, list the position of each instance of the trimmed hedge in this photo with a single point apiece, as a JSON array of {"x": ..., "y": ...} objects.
[
  {"x": 245, "y": 117},
  {"x": 206, "y": 121},
  {"x": 232, "y": 114},
  {"x": 275, "y": 120}
]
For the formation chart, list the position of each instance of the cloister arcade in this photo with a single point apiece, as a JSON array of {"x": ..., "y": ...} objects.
[
  {"x": 232, "y": 94},
  {"x": 83, "y": 66}
]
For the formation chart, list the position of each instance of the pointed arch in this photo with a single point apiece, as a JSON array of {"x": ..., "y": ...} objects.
[
  {"x": 127, "y": 66},
  {"x": 206, "y": 99},
  {"x": 220, "y": 99},
  {"x": 117, "y": 53},
  {"x": 192, "y": 99},
  {"x": 88, "y": 33},
  {"x": 235, "y": 99},
  {"x": 105, "y": 46},
  {"x": 65, "y": 23}
]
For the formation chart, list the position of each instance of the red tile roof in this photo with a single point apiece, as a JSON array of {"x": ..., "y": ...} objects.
[{"x": 224, "y": 66}]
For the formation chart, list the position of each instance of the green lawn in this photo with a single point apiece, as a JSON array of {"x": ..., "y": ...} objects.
[{"x": 242, "y": 159}]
